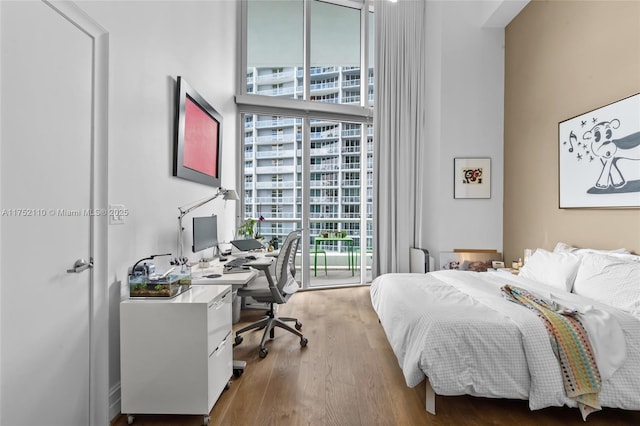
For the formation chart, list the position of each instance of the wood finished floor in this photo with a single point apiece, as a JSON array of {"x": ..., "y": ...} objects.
[{"x": 349, "y": 376}]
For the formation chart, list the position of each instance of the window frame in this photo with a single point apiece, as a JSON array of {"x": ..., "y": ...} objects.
[
  {"x": 360, "y": 114},
  {"x": 261, "y": 104}
]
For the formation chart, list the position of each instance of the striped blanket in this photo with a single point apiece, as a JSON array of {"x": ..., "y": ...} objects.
[{"x": 571, "y": 345}]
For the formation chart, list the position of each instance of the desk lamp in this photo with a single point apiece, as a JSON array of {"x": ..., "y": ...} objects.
[{"x": 228, "y": 194}]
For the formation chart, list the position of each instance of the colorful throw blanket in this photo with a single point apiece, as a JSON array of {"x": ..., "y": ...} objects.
[{"x": 571, "y": 345}]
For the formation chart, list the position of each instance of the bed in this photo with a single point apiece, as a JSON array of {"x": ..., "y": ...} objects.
[{"x": 455, "y": 330}]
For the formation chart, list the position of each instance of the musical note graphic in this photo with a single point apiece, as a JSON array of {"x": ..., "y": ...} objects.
[{"x": 572, "y": 138}]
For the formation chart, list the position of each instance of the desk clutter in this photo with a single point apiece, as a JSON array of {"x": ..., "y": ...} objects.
[
  {"x": 146, "y": 282},
  {"x": 478, "y": 260},
  {"x": 237, "y": 265},
  {"x": 336, "y": 234}
]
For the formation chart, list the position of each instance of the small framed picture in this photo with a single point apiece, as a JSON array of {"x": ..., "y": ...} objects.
[{"x": 472, "y": 177}]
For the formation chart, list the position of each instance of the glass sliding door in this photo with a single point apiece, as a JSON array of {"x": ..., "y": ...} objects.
[{"x": 338, "y": 203}]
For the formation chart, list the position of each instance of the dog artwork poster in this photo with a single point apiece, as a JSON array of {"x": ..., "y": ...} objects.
[{"x": 599, "y": 156}]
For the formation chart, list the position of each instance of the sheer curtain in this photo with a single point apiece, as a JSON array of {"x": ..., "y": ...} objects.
[{"x": 400, "y": 131}]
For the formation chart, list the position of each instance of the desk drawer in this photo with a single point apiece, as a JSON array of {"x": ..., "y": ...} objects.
[
  {"x": 220, "y": 368},
  {"x": 218, "y": 320}
]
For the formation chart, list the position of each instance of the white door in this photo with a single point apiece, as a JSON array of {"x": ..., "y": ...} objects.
[{"x": 46, "y": 179}]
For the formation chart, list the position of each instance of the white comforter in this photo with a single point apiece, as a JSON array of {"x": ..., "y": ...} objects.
[{"x": 457, "y": 329}]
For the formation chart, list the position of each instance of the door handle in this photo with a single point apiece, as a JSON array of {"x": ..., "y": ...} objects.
[{"x": 80, "y": 266}]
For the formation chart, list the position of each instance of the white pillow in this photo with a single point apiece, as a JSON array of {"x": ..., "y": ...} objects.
[
  {"x": 625, "y": 256},
  {"x": 566, "y": 248},
  {"x": 555, "y": 269},
  {"x": 609, "y": 279}
]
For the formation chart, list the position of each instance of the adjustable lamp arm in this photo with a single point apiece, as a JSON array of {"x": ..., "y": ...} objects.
[{"x": 184, "y": 210}]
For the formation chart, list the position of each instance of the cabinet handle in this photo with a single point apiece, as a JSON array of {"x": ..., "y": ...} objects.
[
  {"x": 222, "y": 345},
  {"x": 217, "y": 304}
]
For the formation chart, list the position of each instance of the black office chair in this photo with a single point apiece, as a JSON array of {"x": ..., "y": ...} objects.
[{"x": 278, "y": 292}]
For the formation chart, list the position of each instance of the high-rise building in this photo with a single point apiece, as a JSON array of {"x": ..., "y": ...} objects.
[{"x": 273, "y": 157}]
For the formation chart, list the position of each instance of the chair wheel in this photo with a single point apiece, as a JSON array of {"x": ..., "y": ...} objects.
[
  {"x": 303, "y": 341},
  {"x": 263, "y": 352},
  {"x": 298, "y": 325},
  {"x": 239, "y": 339}
]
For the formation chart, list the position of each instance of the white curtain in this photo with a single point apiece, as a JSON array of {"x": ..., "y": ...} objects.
[{"x": 400, "y": 131}]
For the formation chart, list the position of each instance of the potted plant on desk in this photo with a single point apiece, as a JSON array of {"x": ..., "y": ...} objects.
[{"x": 250, "y": 228}]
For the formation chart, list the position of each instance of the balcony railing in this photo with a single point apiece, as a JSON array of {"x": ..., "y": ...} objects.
[
  {"x": 275, "y": 169},
  {"x": 285, "y": 75},
  {"x": 270, "y": 200},
  {"x": 351, "y": 166},
  {"x": 280, "y": 91},
  {"x": 285, "y": 137},
  {"x": 280, "y": 153},
  {"x": 323, "y": 70},
  {"x": 350, "y": 99},
  {"x": 323, "y": 183},
  {"x": 333, "y": 150},
  {"x": 325, "y": 215},
  {"x": 275, "y": 123},
  {"x": 278, "y": 215},
  {"x": 351, "y": 199},
  {"x": 323, "y": 200},
  {"x": 323, "y": 167},
  {"x": 351, "y": 150},
  {"x": 274, "y": 185}
]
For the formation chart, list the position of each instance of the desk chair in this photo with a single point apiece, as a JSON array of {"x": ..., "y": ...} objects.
[{"x": 278, "y": 292}]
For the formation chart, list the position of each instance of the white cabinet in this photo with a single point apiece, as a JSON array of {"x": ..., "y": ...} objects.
[{"x": 176, "y": 354}]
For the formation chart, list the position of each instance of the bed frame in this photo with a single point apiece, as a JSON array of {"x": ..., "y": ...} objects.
[{"x": 431, "y": 398}]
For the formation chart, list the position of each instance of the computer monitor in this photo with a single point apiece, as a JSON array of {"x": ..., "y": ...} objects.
[{"x": 205, "y": 233}]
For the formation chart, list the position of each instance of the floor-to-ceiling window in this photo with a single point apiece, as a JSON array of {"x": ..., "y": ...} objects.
[{"x": 307, "y": 140}]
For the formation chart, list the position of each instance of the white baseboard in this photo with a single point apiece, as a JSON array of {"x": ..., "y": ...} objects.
[{"x": 114, "y": 401}]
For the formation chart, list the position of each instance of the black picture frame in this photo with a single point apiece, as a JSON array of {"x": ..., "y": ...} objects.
[
  {"x": 599, "y": 157},
  {"x": 198, "y": 137}
]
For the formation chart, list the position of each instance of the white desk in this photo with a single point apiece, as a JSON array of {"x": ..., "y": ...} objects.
[
  {"x": 176, "y": 354},
  {"x": 237, "y": 279}
]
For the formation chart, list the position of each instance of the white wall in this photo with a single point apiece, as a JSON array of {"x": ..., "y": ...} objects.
[
  {"x": 466, "y": 117},
  {"x": 150, "y": 44}
]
